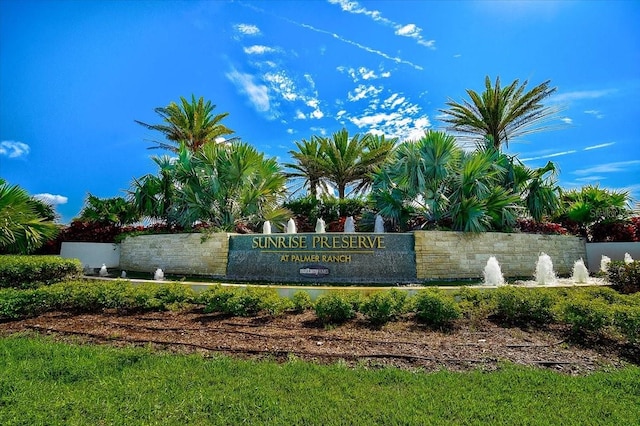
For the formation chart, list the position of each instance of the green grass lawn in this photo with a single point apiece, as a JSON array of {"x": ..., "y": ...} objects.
[{"x": 47, "y": 383}]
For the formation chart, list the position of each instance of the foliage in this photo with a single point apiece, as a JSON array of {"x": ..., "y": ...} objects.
[
  {"x": 624, "y": 277},
  {"x": 627, "y": 319},
  {"x": 616, "y": 230},
  {"x": 435, "y": 308},
  {"x": 433, "y": 183},
  {"x": 220, "y": 185},
  {"x": 114, "y": 211},
  {"x": 334, "y": 308},
  {"x": 307, "y": 210},
  {"x": 587, "y": 318},
  {"x": 385, "y": 306},
  {"x": 243, "y": 301},
  {"x": 31, "y": 271},
  {"x": 501, "y": 114},
  {"x": 533, "y": 227},
  {"x": 340, "y": 161},
  {"x": 301, "y": 301},
  {"x": 522, "y": 306},
  {"x": 191, "y": 124},
  {"x": 22, "y": 228},
  {"x": 590, "y": 206}
]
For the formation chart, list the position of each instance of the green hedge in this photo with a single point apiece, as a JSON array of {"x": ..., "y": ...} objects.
[
  {"x": 33, "y": 271},
  {"x": 590, "y": 312}
]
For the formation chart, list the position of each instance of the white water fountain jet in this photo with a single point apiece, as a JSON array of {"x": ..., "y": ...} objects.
[
  {"x": 123, "y": 274},
  {"x": 580, "y": 273},
  {"x": 492, "y": 273},
  {"x": 604, "y": 263},
  {"x": 379, "y": 225},
  {"x": 350, "y": 225},
  {"x": 158, "y": 275},
  {"x": 544, "y": 274},
  {"x": 627, "y": 258},
  {"x": 103, "y": 271},
  {"x": 291, "y": 227},
  {"x": 266, "y": 227},
  {"x": 320, "y": 226}
]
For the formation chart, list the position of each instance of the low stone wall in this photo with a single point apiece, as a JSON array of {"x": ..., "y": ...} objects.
[
  {"x": 185, "y": 254},
  {"x": 439, "y": 255},
  {"x": 442, "y": 255}
]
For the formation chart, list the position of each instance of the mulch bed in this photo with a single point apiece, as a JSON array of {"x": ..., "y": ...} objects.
[{"x": 404, "y": 344}]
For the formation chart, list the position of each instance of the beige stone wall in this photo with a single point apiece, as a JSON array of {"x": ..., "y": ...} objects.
[
  {"x": 176, "y": 253},
  {"x": 450, "y": 255}
]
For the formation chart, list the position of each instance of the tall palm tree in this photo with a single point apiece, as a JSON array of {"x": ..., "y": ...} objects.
[
  {"x": 501, "y": 114},
  {"x": 306, "y": 166},
  {"x": 190, "y": 123},
  {"x": 22, "y": 230},
  {"x": 351, "y": 161}
]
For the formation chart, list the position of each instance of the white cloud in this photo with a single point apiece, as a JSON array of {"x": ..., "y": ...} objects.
[
  {"x": 258, "y": 93},
  {"x": 282, "y": 84},
  {"x": 247, "y": 29},
  {"x": 363, "y": 73},
  {"x": 556, "y": 154},
  {"x": 300, "y": 115},
  {"x": 602, "y": 145},
  {"x": 13, "y": 149},
  {"x": 566, "y": 120},
  {"x": 595, "y": 113},
  {"x": 290, "y": 131},
  {"x": 258, "y": 49},
  {"x": 362, "y": 92},
  {"x": 619, "y": 166},
  {"x": 580, "y": 95},
  {"x": 51, "y": 199},
  {"x": 406, "y": 30}
]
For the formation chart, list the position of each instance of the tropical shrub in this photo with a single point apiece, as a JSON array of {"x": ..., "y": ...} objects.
[
  {"x": 522, "y": 306},
  {"x": 533, "y": 227},
  {"x": 627, "y": 320},
  {"x": 615, "y": 231},
  {"x": 384, "y": 306},
  {"x": 334, "y": 308},
  {"x": 32, "y": 271},
  {"x": 587, "y": 318},
  {"x": 435, "y": 308},
  {"x": 24, "y": 226},
  {"x": 624, "y": 277},
  {"x": 301, "y": 301}
]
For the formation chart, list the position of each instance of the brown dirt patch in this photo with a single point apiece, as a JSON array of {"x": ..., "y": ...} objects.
[{"x": 404, "y": 344}]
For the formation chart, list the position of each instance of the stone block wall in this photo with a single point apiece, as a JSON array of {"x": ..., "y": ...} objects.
[
  {"x": 176, "y": 254},
  {"x": 446, "y": 255}
]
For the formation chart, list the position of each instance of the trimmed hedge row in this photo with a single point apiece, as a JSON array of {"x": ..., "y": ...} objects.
[
  {"x": 590, "y": 312},
  {"x": 33, "y": 271}
]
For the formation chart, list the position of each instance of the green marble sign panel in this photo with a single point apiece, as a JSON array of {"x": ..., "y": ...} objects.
[{"x": 323, "y": 258}]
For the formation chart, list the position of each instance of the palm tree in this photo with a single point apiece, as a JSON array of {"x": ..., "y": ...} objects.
[
  {"x": 191, "y": 123},
  {"x": 153, "y": 196},
  {"x": 501, "y": 114},
  {"x": 307, "y": 166},
  {"x": 351, "y": 161},
  {"x": 22, "y": 230}
]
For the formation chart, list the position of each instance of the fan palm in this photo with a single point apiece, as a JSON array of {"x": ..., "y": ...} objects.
[
  {"x": 22, "y": 230},
  {"x": 501, "y": 114},
  {"x": 306, "y": 166},
  {"x": 190, "y": 123}
]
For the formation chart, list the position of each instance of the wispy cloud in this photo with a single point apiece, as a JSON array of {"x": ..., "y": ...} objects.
[
  {"x": 338, "y": 37},
  {"x": 363, "y": 73},
  {"x": 619, "y": 166},
  {"x": 403, "y": 30},
  {"x": 580, "y": 95},
  {"x": 555, "y": 154},
  {"x": 257, "y": 93},
  {"x": 13, "y": 149},
  {"x": 567, "y": 120},
  {"x": 258, "y": 49},
  {"x": 247, "y": 29},
  {"x": 51, "y": 199},
  {"x": 594, "y": 113},
  {"x": 602, "y": 145}
]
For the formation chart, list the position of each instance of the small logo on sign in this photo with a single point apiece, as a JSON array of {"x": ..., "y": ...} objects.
[{"x": 313, "y": 271}]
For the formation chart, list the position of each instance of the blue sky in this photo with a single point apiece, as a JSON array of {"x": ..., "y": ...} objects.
[{"x": 74, "y": 75}]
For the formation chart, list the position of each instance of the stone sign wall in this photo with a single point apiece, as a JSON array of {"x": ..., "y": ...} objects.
[{"x": 323, "y": 258}]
